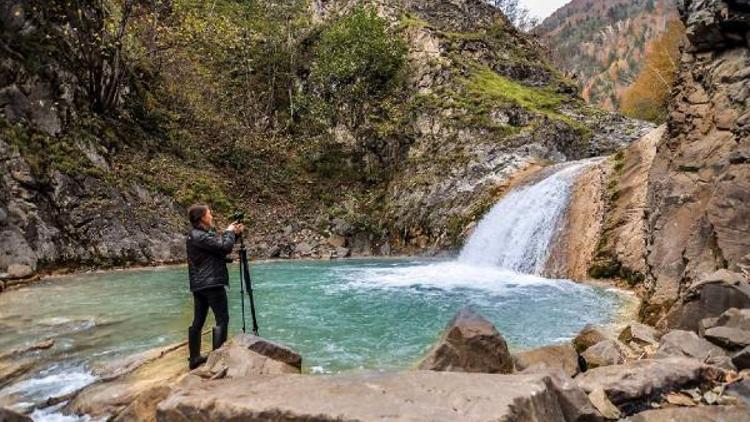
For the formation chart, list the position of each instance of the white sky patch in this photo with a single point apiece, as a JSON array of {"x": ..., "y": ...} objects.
[{"x": 543, "y": 8}]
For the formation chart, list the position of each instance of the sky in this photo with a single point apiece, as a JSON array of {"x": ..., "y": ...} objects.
[{"x": 543, "y": 8}]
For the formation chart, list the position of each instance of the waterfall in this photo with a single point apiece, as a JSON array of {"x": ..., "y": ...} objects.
[{"x": 517, "y": 232}]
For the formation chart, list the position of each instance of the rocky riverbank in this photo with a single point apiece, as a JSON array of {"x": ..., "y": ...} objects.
[{"x": 638, "y": 374}]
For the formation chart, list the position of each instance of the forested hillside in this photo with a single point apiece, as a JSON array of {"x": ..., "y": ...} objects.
[
  {"x": 605, "y": 45},
  {"x": 340, "y": 127}
]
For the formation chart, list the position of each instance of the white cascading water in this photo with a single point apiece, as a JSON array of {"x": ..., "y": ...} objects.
[{"x": 517, "y": 232}]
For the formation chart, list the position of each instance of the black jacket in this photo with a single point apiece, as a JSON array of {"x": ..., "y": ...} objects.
[{"x": 206, "y": 253}]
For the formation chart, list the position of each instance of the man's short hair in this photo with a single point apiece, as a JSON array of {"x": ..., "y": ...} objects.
[{"x": 196, "y": 213}]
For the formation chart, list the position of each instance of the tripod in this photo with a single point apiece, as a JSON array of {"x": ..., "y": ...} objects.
[{"x": 246, "y": 285}]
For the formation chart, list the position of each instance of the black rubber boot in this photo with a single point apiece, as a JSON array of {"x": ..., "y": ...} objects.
[
  {"x": 194, "y": 346},
  {"x": 220, "y": 335}
]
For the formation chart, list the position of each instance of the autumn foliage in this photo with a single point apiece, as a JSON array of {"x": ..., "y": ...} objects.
[{"x": 648, "y": 96}]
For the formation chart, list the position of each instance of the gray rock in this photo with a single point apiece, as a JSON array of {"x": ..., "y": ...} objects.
[
  {"x": 709, "y": 298},
  {"x": 643, "y": 378},
  {"x": 688, "y": 344},
  {"x": 589, "y": 336},
  {"x": 470, "y": 343},
  {"x": 728, "y": 337},
  {"x": 562, "y": 356},
  {"x": 694, "y": 414},
  {"x": 741, "y": 359},
  {"x": 3, "y": 215},
  {"x": 7, "y": 415},
  {"x": 341, "y": 227},
  {"x": 408, "y": 396},
  {"x": 342, "y": 252},
  {"x": 641, "y": 334},
  {"x": 606, "y": 352},
  {"x": 739, "y": 389},
  {"x": 303, "y": 249}
]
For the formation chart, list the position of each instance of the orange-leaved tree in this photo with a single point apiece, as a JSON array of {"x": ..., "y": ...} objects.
[{"x": 648, "y": 96}]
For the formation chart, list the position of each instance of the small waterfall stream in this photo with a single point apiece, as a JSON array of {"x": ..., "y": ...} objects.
[{"x": 517, "y": 232}]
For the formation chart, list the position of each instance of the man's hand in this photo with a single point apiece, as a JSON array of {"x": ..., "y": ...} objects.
[{"x": 237, "y": 228}]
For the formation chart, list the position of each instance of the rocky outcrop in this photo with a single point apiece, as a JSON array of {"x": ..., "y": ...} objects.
[
  {"x": 132, "y": 389},
  {"x": 688, "y": 344},
  {"x": 412, "y": 395},
  {"x": 603, "y": 235},
  {"x": 731, "y": 330},
  {"x": 606, "y": 352},
  {"x": 699, "y": 186},
  {"x": 470, "y": 343}
]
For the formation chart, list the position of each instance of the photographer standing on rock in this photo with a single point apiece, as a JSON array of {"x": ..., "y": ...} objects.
[{"x": 207, "y": 253}]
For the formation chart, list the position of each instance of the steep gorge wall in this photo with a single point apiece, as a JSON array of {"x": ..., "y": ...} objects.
[{"x": 699, "y": 186}]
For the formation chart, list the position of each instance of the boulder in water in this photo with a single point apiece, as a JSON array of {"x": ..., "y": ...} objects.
[
  {"x": 562, "y": 356},
  {"x": 410, "y": 395},
  {"x": 470, "y": 343}
]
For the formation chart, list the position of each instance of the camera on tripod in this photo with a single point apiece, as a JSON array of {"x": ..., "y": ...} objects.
[{"x": 238, "y": 217}]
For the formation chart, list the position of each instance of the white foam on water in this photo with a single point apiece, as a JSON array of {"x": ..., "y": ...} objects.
[
  {"x": 52, "y": 383},
  {"x": 449, "y": 276},
  {"x": 53, "y": 414},
  {"x": 517, "y": 232}
]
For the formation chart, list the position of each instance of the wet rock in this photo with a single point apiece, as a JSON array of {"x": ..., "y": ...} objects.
[
  {"x": 741, "y": 359},
  {"x": 561, "y": 356},
  {"x": 470, "y": 343},
  {"x": 246, "y": 355},
  {"x": 694, "y": 414},
  {"x": 589, "y": 336},
  {"x": 143, "y": 408},
  {"x": 411, "y": 395},
  {"x": 606, "y": 352},
  {"x": 600, "y": 401},
  {"x": 7, "y": 415},
  {"x": 640, "y": 334},
  {"x": 688, "y": 344},
  {"x": 640, "y": 379}
]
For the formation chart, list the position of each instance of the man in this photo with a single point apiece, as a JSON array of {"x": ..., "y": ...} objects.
[{"x": 207, "y": 253}]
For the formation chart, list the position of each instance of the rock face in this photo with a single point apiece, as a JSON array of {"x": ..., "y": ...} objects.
[
  {"x": 699, "y": 186},
  {"x": 643, "y": 378},
  {"x": 414, "y": 395},
  {"x": 562, "y": 356},
  {"x": 470, "y": 343}
]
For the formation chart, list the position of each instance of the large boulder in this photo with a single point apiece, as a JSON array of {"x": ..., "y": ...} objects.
[
  {"x": 589, "y": 336},
  {"x": 606, "y": 352},
  {"x": 688, "y": 344},
  {"x": 246, "y": 355},
  {"x": 411, "y": 395},
  {"x": 642, "y": 379},
  {"x": 709, "y": 298},
  {"x": 470, "y": 343},
  {"x": 694, "y": 414},
  {"x": 561, "y": 356}
]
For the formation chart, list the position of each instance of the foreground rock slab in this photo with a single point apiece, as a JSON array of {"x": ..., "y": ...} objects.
[
  {"x": 694, "y": 414},
  {"x": 470, "y": 343},
  {"x": 641, "y": 379},
  {"x": 688, "y": 344},
  {"x": 246, "y": 355},
  {"x": 404, "y": 396}
]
